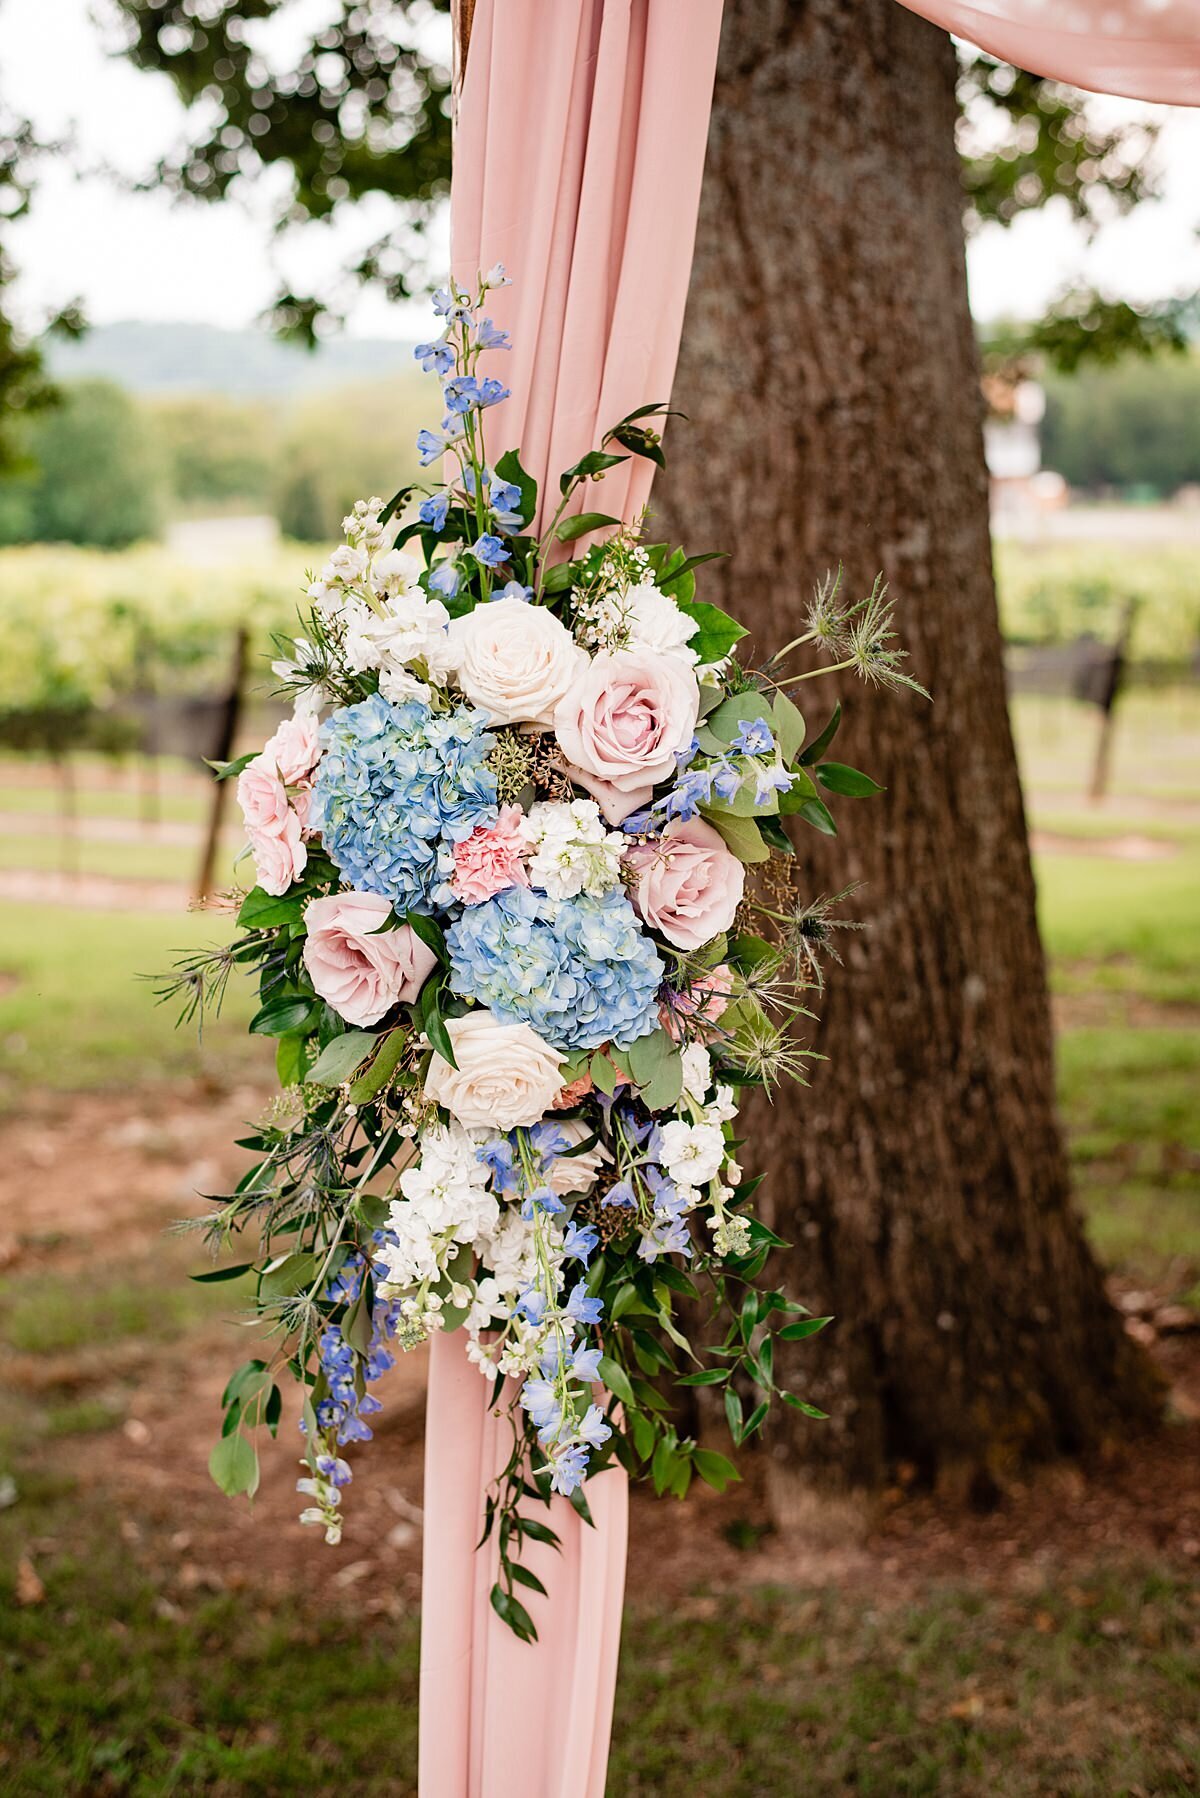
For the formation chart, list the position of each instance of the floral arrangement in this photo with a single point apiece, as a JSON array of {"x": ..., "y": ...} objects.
[{"x": 524, "y": 922}]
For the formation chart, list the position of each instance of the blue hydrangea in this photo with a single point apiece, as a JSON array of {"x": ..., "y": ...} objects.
[
  {"x": 581, "y": 971},
  {"x": 396, "y": 787}
]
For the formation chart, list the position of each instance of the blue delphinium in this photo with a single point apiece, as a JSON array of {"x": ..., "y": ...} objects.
[
  {"x": 397, "y": 786},
  {"x": 580, "y": 971}
]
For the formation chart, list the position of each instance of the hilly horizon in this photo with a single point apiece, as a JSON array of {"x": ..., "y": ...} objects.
[{"x": 176, "y": 357}]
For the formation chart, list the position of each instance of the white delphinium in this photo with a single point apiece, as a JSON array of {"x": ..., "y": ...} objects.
[
  {"x": 573, "y": 851},
  {"x": 697, "y": 1072},
  {"x": 446, "y": 1202}
]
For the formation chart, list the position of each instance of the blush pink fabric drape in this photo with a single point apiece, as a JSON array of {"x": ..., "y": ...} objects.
[
  {"x": 1146, "y": 49},
  {"x": 577, "y": 163}
]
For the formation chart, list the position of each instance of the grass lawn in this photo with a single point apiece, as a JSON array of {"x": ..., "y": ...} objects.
[
  {"x": 74, "y": 1015},
  {"x": 1087, "y": 1688}
]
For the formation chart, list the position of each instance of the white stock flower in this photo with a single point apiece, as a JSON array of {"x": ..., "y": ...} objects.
[
  {"x": 697, "y": 1072},
  {"x": 515, "y": 660},
  {"x": 692, "y": 1153},
  {"x": 573, "y": 850},
  {"x": 445, "y": 1200},
  {"x": 396, "y": 574}
]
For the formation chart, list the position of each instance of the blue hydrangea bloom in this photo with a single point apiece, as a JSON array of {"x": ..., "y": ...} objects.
[
  {"x": 581, "y": 971},
  {"x": 396, "y": 787}
]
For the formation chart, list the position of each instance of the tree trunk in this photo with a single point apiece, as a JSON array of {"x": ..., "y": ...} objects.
[{"x": 829, "y": 373}]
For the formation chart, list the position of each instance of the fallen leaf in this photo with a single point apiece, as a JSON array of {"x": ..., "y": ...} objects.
[{"x": 30, "y": 1589}]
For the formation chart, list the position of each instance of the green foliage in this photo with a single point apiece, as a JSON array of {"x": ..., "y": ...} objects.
[
  {"x": 1135, "y": 425},
  {"x": 1054, "y": 592},
  {"x": 340, "y": 447},
  {"x": 95, "y": 478},
  {"x": 361, "y": 107},
  {"x": 216, "y": 450}
]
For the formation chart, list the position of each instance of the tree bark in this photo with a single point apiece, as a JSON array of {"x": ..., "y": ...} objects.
[{"x": 829, "y": 373}]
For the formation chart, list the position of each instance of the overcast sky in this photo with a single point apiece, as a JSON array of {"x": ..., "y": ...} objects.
[{"x": 138, "y": 256}]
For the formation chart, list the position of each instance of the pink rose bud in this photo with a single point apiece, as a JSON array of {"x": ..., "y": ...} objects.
[
  {"x": 689, "y": 883},
  {"x": 279, "y": 855},
  {"x": 357, "y": 968},
  {"x": 262, "y": 796},
  {"x": 491, "y": 858}
]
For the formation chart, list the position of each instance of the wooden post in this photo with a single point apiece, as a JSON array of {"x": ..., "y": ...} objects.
[
  {"x": 227, "y": 737},
  {"x": 1107, "y": 701}
]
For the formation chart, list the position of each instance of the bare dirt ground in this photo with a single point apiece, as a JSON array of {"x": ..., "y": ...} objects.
[{"x": 106, "y": 1176}]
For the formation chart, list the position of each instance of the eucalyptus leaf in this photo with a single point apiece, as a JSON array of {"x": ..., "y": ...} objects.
[
  {"x": 341, "y": 1058},
  {"x": 233, "y": 1465}
]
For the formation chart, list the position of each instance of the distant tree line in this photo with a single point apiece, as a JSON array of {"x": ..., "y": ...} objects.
[
  {"x": 1132, "y": 426},
  {"x": 106, "y": 469}
]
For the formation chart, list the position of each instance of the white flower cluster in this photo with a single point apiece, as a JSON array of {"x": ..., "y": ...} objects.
[
  {"x": 446, "y": 1203},
  {"x": 382, "y": 619},
  {"x": 573, "y": 851},
  {"x": 636, "y": 615},
  {"x": 695, "y": 1154}
]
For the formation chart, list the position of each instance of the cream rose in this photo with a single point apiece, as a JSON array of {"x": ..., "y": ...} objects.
[
  {"x": 359, "y": 969},
  {"x": 515, "y": 660},
  {"x": 576, "y": 1173},
  {"x": 688, "y": 883},
  {"x": 506, "y": 1074},
  {"x": 625, "y": 718}
]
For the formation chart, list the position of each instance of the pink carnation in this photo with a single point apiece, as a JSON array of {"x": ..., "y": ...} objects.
[
  {"x": 279, "y": 855},
  {"x": 491, "y": 858},
  {"x": 692, "y": 1014}
]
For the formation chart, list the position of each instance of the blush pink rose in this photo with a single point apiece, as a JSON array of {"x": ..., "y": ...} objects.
[
  {"x": 279, "y": 855},
  {"x": 625, "y": 716},
  {"x": 295, "y": 748},
  {"x": 694, "y": 1013},
  {"x": 490, "y": 859},
  {"x": 688, "y": 883},
  {"x": 357, "y": 968},
  {"x": 262, "y": 796}
]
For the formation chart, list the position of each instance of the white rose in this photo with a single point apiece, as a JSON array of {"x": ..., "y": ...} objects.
[
  {"x": 577, "y": 1173},
  {"x": 515, "y": 660},
  {"x": 506, "y": 1074}
]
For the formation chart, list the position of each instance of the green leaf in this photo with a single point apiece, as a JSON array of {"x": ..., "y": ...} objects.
[
  {"x": 740, "y": 708},
  {"x": 775, "y": 836},
  {"x": 741, "y": 834},
  {"x": 524, "y": 1577},
  {"x": 431, "y": 934},
  {"x": 540, "y": 1532},
  {"x": 511, "y": 1611},
  {"x": 807, "y": 1326},
  {"x": 643, "y": 1434},
  {"x": 837, "y": 778},
  {"x": 628, "y": 1299},
  {"x": 755, "y": 1420},
  {"x": 614, "y": 1377},
  {"x": 803, "y": 788},
  {"x": 604, "y": 1074},
  {"x": 711, "y": 1376},
  {"x": 381, "y": 1069},
  {"x": 663, "y": 1465},
  {"x": 285, "y": 1016},
  {"x": 647, "y": 1054},
  {"x": 662, "y": 1090},
  {"x": 718, "y": 631},
  {"x": 291, "y": 1059},
  {"x": 579, "y": 1503},
  {"x": 230, "y": 770},
  {"x": 222, "y": 1273},
  {"x": 568, "y": 529},
  {"x": 242, "y": 1380},
  {"x": 595, "y": 462},
  {"x": 233, "y": 1465},
  {"x": 262, "y": 911},
  {"x": 819, "y": 745},
  {"x": 287, "y": 1276},
  {"x": 818, "y": 814},
  {"x": 798, "y": 1404},
  {"x": 715, "y": 1470},
  {"x": 789, "y": 725},
  {"x": 509, "y": 469},
  {"x": 339, "y": 1059},
  {"x": 560, "y": 577},
  {"x": 733, "y": 1412}
]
